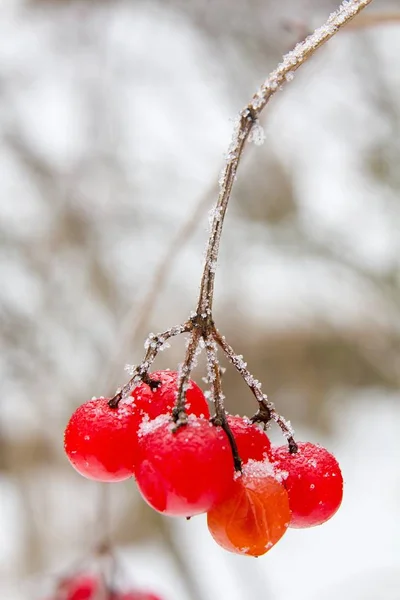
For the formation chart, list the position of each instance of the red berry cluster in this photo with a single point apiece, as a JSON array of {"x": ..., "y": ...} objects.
[
  {"x": 84, "y": 586},
  {"x": 189, "y": 469}
]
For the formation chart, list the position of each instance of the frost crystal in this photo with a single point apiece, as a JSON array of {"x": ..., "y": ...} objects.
[
  {"x": 290, "y": 431},
  {"x": 268, "y": 545},
  {"x": 233, "y": 146},
  {"x": 257, "y": 134},
  {"x": 165, "y": 346},
  {"x": 147, "y": 425},
  {"x": 293, "y": 59},
  {"x": 149, "y": 341},
  {"x": 281, "y": 475},
  {"x": 214, "y": 214},
  {"x": 258, "y": 468},
  {"x": 213, "y": 266}
]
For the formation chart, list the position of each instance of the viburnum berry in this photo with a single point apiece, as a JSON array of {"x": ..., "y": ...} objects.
[
  {"x": 313, "y": 481},
  {"x": 183, "y": 472},
  {"x": 255, "y": 515},
  {"x": 161, "y": 400},
  {"x": 100, "y": 442},
  {"x": 252, "y": 443},
  {"x": 79, "y": 587},
  {"x": 134, "y": 595}
]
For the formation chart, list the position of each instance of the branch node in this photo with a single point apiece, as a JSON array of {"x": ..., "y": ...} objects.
[
  {"x": 179, "y": 418},
  {"x": 153, "y": 384}
]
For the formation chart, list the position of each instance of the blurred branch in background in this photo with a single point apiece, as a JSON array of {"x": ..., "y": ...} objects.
[{"x": 95, "y": 171}]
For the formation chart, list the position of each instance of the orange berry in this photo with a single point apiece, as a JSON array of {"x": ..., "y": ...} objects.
[{"x": 256, "y": 514}]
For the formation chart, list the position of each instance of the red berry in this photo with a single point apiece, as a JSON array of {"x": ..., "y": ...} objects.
[
  {"x": 314, "y": 483},
  {"x": 135, "y": 595},
  {"x": 255, "y": 515},
  {"x": 162, "y": 399},
  {"x": 183, "y": 473},
  {"x": 251, "y": 441},
  {"x": 79, "y": 587},
  {"x": 101, "y": 442}
]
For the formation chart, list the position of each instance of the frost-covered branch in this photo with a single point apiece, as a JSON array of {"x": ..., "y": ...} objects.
[
  {"x": 214, "y": 378},
  {"x": 153, "y": 345},
  {"x": 266, "y": 409},
  {"x": 193, "y": 349},
  {"x": 248, "y": 119},
  {"x": 201, "y": 326}
]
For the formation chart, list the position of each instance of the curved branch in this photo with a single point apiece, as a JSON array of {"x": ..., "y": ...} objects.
[{"x": 247, "y": 118}]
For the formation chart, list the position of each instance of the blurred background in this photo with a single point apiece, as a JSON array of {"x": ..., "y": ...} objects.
[{"x": 114, "y": 120}]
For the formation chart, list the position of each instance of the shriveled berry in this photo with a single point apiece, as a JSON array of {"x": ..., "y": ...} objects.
[
  {"x": 254, "y": 516},
  {"x": 313, "y": 481},
  {"x": 100, "y": 442},
  {"x": 183, "y": 472},
  {"x": 161, "y": 400},
  {"x": 251, "y": 441}
]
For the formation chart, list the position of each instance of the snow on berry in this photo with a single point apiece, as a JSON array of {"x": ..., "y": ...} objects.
[
  {"x": 162, "y": 399},
  {"x": 184, "y": 472},
  {"x": 255, "y": 515},
  {"x": 313, "y": 481},
  {"x": 100, "y": 442}
]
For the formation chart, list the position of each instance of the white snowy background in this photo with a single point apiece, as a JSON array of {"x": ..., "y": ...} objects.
[{"x": 114, "y": 120}]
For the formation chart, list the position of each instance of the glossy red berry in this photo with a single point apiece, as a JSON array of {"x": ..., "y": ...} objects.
[
  {"x": 100, "y": 442},
  {"x": 183, "y": 473},
  {"x": 254, "y": 516},
  {"x": 313, "y": 481},
  {"x": 79, "y": 587},
  {"x": 251, "y": 441},
  {"x": 162, "y": 399}
]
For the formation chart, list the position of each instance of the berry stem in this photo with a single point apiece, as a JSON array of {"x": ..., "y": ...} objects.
[
  {"x": 154, "y": 343},
  {"x": 179, "y": 412},
  {"x": 266, "y": 409},
  {"x": 214, "y": 377}
]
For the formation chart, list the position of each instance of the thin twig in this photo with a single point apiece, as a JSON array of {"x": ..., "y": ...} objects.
[
  {"x": 247, "y": 118},
  {"x": 364, "y": 21},
  {"x": 154, "y": 343},
  {"x": 214, "y": 378},
  {"x": 266, "y": 409},
  {"x": 179, "y": 412}
]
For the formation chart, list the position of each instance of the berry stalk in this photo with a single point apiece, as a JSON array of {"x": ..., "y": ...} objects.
[
  {"x": 154, "y": 343},
  {"x": 220, "y": 418}
]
